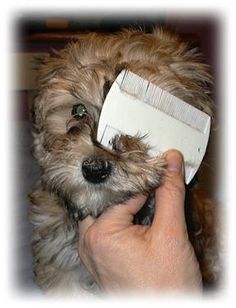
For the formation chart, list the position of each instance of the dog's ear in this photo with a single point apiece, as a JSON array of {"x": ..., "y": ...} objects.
[
  {"x": 47, "y": 67},
  {"x": 38, "y": 150},
  {"x": 36, "y": 113},
  {"x": 188, "y": 64}
]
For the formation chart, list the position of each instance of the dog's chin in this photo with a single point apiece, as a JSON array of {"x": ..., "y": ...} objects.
[
  {"x": 93, "y": 199},
  {"x": 87, "y": 190}
]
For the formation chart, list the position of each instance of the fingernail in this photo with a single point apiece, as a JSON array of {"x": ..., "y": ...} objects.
[{"x": 174, "y": 162}]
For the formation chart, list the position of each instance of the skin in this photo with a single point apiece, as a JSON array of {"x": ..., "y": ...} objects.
[{"x": 126, "y": 257}]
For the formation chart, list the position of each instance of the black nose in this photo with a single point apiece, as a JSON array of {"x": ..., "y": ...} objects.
[{"x": 96, "y": 170}]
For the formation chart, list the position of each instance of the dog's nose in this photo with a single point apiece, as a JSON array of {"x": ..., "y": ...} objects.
[{"x": 96, "y": 170}]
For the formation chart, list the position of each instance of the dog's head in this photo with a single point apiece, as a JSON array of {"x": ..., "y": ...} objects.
[{"x": 73, "y": 86}]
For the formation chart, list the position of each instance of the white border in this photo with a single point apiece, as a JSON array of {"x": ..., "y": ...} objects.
[{"x": 225, "y": 9}]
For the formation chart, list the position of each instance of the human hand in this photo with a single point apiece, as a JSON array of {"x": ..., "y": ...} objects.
[{"x": 123, "y": 256}]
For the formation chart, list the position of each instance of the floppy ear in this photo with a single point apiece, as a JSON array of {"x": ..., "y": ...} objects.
[
  {"x": 47, "y": 68},
  {"x": 38, "y": 150},
  {"x": 187, "y": 63}
]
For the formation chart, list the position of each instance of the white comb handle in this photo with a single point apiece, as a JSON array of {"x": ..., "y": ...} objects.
[{"x": 163, "y": 124}]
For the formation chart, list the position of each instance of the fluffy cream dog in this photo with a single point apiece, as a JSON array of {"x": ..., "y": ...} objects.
[{"x": 80, "y": 177}]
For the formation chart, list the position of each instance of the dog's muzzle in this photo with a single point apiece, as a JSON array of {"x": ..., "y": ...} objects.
[{"x": 96, "y": 170}]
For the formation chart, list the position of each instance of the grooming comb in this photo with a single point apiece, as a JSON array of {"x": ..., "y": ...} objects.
[{"x": 135, "y": 106}]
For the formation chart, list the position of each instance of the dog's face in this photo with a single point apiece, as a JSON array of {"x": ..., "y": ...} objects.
[
  {"x": 75, "y": 165},
  {"x": 82, "y": 171}
]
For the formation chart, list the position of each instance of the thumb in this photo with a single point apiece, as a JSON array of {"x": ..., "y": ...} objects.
[
  {"x": 170, "y": 196},
  {"x": 125, "y": 212}
]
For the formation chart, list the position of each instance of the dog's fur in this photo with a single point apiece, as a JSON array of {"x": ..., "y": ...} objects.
[{"x": 83, "y": 73}]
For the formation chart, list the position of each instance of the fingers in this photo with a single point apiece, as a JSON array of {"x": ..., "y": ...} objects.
[
  {"x": 169, "y": 201},
  {"x": 125, "y": 212},
  {"x": 121, "y": 214},
  {"x": 170, "y": 196}
]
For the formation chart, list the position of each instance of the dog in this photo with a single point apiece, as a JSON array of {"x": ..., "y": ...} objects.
[{"x": 79, "y": 176}]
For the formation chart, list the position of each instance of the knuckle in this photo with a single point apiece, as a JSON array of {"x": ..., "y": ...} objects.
[
  {"x": 94, "y": 238},
  {"x": 90, "y": 237},
  {"x": 176, "y": 234}
]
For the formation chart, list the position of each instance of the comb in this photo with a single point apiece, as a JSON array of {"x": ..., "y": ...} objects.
[{"x": 135, "y": 106}]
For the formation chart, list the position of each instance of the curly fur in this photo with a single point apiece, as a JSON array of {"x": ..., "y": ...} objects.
[{"x": 82, "y": 73}]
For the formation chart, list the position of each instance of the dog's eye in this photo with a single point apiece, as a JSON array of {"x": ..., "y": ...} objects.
[{"x": 79, "y": 111}]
